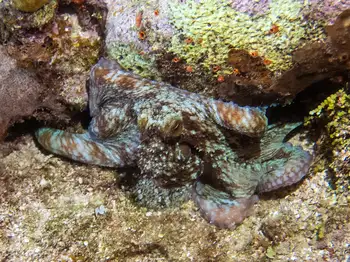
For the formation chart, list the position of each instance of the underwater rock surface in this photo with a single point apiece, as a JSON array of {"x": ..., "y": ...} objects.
[
  {"x": 246, "y": 51},
  {"x": 251, "y": 53},
  {"x": 29, "y": 5},
  {"x": 58, "y": 44},
  {"x": 21, "y": 95}
]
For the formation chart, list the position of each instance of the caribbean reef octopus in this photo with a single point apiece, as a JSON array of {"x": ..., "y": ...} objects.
[{"x": 177, "y": 138}]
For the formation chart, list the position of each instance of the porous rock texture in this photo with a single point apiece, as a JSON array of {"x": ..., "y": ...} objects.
[
  {"x": 251, "y": 52},
  {"x": 21, "y": 94},
  {"x": 55, "y": 45},
  {"x": 53, "y": 210}
]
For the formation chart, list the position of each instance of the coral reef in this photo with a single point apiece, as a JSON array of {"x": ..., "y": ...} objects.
[
  {"x": 333, "y": 114},
  {"x": 174, "y": 137},
  {"x": 66, "y": 50},
  {"x": 17, "y": 22},
  {"x": 56, "y": 210},
  {"x": 313, "y": 63},
  {"x": 215, "y": 28},
  {"x": 60, "y": 41},
  {"x": 130, "y": 58}
]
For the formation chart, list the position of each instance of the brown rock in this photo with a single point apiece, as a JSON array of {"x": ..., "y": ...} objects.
[{"x": 19, "y": 93}]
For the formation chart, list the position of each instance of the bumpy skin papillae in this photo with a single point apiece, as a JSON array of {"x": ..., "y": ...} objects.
[
  {"x": 176, "y": 137},
  {"x": 282, "y": 163},
  {"x": 278, "y": 165}
]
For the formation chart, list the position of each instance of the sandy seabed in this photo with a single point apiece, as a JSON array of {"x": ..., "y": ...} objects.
[{"x": 52, "y": 209}]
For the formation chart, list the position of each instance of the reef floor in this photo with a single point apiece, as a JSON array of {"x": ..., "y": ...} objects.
[{"x": 52, "y": 209}]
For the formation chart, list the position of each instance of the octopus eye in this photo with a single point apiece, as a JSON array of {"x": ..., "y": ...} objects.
[{"x": 185, "y": 151}]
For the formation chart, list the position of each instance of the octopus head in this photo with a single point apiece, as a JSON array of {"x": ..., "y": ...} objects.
[{"x": 167, "y": 126}]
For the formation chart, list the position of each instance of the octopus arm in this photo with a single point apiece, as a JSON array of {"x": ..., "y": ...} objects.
[
  {"x": 246, "y": 120},
  {"x": 100, "y": 88},
  {"x": 282, "y": 163},
  {"x": 285, "y": 171},
  {"x": 83, "y": 148},
  {"x": 111, "y": 121},
  {"x": 220, "y": 208}
]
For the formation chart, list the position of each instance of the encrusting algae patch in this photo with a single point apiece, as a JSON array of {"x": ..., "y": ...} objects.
[{"x": 216, "y": 29}]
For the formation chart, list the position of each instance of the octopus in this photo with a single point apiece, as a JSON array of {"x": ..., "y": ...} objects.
[{"x": 182, "y": 139}]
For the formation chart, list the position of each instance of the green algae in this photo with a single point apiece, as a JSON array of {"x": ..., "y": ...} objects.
[
  {"x": 131, "y": 58},
  {"x": 16, "y": 20},
  {"x": 333, "y": 114},
  {"x": 44, "y": 15},
  {"x": 270, "y": 253},
  {"x": 29, "y": 5},
  {"x": 216, "y": 28}
]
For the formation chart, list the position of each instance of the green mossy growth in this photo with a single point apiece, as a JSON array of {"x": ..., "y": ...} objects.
[
  {"x": 216, "y": 28},
  {"x": 29, "y": 5},
  {"x": 45, "y": 14},
  {"x": 270, "y": 252},
  {"x": 16, "y": 20},
  {"x": 130, "y": 58},
  {"x": 334, "y": 113},
  {"x": 320, "y": 231}
]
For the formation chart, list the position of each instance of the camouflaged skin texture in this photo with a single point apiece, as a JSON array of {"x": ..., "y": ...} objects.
[{"x": 177, "y": 138}]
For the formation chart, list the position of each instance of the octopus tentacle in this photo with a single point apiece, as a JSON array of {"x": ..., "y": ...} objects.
[
  {"x": 98, "y": 83},
  {"x": 285, "y": 171},
  {"x": 282, "y": 163},
  {"x": 82, "y": 148},
  {"x": 176, "y": 137},
  {"x": 219, "y": 208},
  {"x": 249, "y": 121}
]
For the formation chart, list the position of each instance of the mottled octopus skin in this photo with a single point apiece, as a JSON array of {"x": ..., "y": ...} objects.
[{"x": 176, "y": 137}]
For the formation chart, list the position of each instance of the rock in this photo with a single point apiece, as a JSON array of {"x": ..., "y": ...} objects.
[
  {"x": 58, "y": 44},
  {"x": 252, "y": 53},
  {"x": 19, "y": 93}
]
